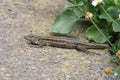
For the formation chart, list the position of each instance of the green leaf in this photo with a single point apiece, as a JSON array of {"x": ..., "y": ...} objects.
[
  {"x": 71, "y": 5},
  {"x": 116, "y": 25},
  {"x": 65, "y": 22},
  {"x": 114, "y": 11},
  {"x": 78, "y": 13},
  {"x": 72, "y": 1},
  {"x": 117, "y": 2},
  {"x": 104, "y": 16},
  {"x": 93, "y": 34},
  {"x": 68, "y": 5},
  {"x": 81, "y": 3},
  {"x": 75, "y": 9}
]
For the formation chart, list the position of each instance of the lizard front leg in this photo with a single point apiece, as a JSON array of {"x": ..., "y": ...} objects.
[
  {"x": 82, "y": 48},
  {"x": 40, "y": 45}
]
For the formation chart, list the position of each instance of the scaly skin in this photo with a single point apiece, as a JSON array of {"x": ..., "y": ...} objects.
[{"x": 62, "y": 42}]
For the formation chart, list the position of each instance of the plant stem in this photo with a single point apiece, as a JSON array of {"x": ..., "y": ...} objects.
[
  {"x": 97, "y": 26},
  {"x": 109, "y": 15},
  {"x": 101, "y": 33},
  {"x": 78, "y": 6}
]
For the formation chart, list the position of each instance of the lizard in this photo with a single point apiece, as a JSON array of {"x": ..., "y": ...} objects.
[{"x": 62, "y": 42}]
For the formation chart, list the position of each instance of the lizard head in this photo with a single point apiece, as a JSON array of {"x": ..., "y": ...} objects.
[{"x": 34, "y": 39}]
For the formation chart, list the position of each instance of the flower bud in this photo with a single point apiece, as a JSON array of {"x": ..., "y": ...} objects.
[
  {"x": 107, "y": 70},
  {"x": 88, "y": 15},
  {"x": 118, "y": 53}
]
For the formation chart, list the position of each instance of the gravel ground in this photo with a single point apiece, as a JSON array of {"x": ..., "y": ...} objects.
[{"x": 19, "y": 61}]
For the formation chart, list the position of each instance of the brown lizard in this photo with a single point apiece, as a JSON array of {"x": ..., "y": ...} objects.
[{"x": 62, "y": 42}]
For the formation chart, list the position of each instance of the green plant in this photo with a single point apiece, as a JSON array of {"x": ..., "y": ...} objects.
[
  {"x": 104, "y": 16},
  {"x": 117, "y": 72},
  {"x": 115, "y": 46},
  {"x": 115, "y": 50}
]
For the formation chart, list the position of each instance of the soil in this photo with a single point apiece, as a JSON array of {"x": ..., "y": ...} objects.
[{"x": 19, "y": 61}]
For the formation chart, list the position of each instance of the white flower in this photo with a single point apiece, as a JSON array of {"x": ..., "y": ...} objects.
[
  {"x": 119, "y": 15},
  {"x": 115, "y": 74},
  {"x": 88, "y": 15},
  {"x": 96, "y": 2}
]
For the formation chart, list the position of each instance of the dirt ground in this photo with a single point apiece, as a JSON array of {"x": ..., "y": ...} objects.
[{"x": 19, "y": 61}]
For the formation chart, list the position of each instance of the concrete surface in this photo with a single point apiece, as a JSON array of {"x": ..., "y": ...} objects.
[{"x": 19, "y": 61}]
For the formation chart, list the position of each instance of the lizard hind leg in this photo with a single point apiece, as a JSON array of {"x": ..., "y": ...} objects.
[{"x": 84, "y": 49}]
